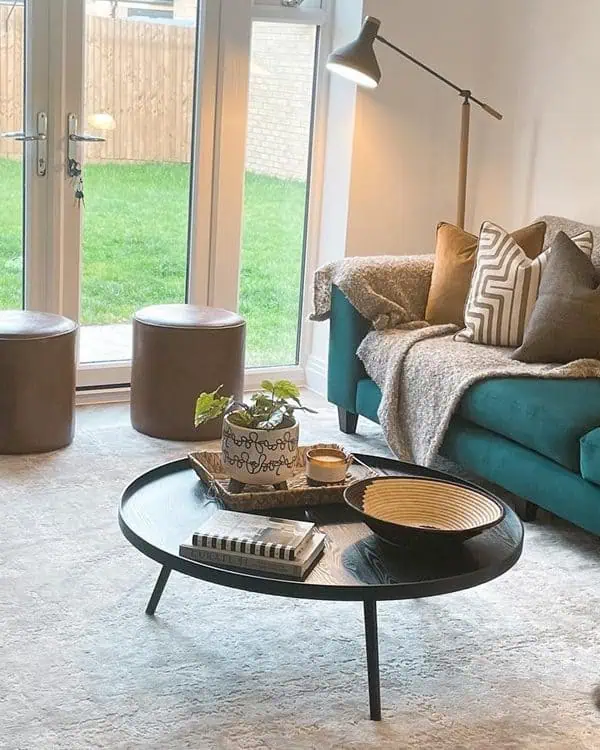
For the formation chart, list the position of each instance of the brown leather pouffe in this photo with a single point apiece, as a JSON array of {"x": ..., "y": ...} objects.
[
  {"x": 37, "y": 381},
  {"x": 178, "y": 352}
]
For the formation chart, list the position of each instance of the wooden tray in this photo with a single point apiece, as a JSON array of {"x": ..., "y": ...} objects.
[{"x": 209, "y": 467}]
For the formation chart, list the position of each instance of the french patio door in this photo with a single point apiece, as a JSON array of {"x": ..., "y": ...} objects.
[
  {"x": 159, "y": 151},
  {"x": 24, "y": 126}
]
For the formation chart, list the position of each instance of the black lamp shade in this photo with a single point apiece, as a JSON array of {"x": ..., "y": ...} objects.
[{"x": 357, "y": 60}]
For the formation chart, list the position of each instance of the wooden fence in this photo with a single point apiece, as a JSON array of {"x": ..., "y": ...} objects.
[
  {"x": 142, "y": 73},
  {"x": 11, "y": 77}
]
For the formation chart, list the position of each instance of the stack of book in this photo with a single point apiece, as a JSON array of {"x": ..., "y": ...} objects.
[{"x": 255, "y": 543}]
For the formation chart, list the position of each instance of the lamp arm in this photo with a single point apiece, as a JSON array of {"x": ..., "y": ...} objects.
[{"x": 463, "y": 92}]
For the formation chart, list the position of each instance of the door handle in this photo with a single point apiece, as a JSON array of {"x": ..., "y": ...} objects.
[
  {"x": 85, "y": 138},
  {"x": 73, "y": 138},
  {"x": 41, "y": 138},
  {"x": 18, "y": 135}
]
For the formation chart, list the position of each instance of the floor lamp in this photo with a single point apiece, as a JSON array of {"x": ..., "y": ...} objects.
[{"x": 357, "y": 61}]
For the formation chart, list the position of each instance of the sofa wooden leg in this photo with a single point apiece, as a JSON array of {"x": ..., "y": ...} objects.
[
  {"x": 348, "y": 421},
  {"x": 527, "y": 510}
]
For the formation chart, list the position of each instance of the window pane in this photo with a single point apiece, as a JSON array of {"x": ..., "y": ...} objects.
[
  {"x": 282, "y": 70},
  {"x": 139, "y": 82},
  {"x": 12, "y": 48}
]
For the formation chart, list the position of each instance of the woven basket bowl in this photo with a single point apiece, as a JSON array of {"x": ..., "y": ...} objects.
[{"x": 404, "y": 509}]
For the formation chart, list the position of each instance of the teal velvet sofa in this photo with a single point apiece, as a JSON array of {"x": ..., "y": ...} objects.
[{"x": 539, "y": 439}]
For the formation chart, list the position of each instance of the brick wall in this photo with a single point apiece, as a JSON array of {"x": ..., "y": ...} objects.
[{"x": 280, "y": 98}]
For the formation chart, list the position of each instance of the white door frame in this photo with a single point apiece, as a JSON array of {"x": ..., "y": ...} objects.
[
  {"x": 230, "y": 158},
  {"x": 219, "y": 141},
  {"x": 35, "y": 99},
  {"x": 118, "y": 374}
]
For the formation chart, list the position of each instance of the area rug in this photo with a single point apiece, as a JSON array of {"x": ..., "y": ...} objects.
[{"x": 512, "y": 664}]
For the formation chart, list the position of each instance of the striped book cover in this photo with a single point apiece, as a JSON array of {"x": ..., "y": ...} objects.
[
  {"x": 296, "y": 569},
  {"x": 250, "y": 534}
]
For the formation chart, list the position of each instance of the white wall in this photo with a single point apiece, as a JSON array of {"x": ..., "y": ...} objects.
[
  {"x": 404, "y": 172},
  {"x": 557, "y": 110},
  {"x": 537, "y": 61}
]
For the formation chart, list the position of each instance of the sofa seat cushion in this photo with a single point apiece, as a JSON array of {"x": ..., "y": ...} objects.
[
  {"x": 590, "y": 456},
  {"x": 524, "y": 473},
  {"x": 547, "y": 416}
]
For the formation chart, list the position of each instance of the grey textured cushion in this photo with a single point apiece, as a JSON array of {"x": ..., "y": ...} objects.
[{"x": 565, "y": 322}]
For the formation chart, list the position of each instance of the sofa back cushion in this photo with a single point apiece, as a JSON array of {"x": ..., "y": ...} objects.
[{"x": 556, "y": 224}]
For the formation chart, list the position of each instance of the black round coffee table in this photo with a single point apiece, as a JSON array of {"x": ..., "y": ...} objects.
[{"x": 162, "y": 507}]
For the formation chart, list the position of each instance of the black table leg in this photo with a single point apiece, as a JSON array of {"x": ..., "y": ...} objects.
[
  {"x": 370, "y": 608},
  {"x": 159, "y": 586}
]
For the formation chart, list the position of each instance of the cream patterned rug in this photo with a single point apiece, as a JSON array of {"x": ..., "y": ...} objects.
[{"x": 512, "y": 664}]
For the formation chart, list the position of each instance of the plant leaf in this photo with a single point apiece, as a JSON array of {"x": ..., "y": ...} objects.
[
  {"x": 237, "y": 406},
  {"x": 267, "y": 385},
  {"x": 262, "y": 401},
  {"x": 210, "y": 406},
  {"x": 273, "y": 421},
  {"x": 242, "y": 418},
  {"x": 286, "y": 389}
]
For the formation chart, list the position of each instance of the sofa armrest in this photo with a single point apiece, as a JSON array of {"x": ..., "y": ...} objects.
[
  {"x": 346, "y": 331},
  {"x": 590, "y": 456},
  {"x": 386, "y": 290}
]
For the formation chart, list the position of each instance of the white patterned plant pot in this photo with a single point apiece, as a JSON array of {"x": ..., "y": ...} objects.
[{"x": 259, "y": 456}]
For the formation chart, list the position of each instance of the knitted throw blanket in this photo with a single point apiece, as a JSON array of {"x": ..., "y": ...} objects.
[
  {"x": 388, "y": 290},
  {"x": 424, "y": 373},
  {"x": 421, "y": 371}
]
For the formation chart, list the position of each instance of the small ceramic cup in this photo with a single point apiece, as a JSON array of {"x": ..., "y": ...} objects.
[{"x": 327, "y": 465}]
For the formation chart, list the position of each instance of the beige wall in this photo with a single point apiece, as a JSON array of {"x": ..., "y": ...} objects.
[
  {"x": 407, "y": 130},
  {"x": 556, "y": 152},
  {"x": 405, "y": 162},
  {"x": 537, "y": 61}
]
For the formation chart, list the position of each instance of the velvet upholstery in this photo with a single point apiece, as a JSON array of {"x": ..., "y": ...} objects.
[
  {"x": 590, "y": 456},
  {"x": 525, "y": 473},
  {"x": 548, "y": 416},
  {"x": 345, "y": 369},
  {"x": 368, "y": 398},
  {"x": 536, "y": 438}
]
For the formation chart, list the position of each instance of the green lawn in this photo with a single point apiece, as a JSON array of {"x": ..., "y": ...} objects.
[{"x": 135, "y": 246}]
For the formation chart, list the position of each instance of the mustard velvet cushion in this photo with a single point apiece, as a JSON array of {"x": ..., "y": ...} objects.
[{"x": 455, "y": 256}]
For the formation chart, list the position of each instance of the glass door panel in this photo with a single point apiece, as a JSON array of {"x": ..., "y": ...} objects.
[
  {"x": 12, "y": 88},
  {"x": 116, "y": 82},
  {"x": 138, "y": 95},
  {"x": 278, "y": 149}
]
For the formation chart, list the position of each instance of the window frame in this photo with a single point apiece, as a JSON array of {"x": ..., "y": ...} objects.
[{"x": 230, "y": 162}]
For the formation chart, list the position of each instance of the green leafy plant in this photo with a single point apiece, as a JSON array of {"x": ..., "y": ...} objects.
[{"x": 270, "y": 408}]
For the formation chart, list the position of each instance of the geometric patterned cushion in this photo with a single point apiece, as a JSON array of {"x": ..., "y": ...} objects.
[{"x": 504, "y": 288}]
